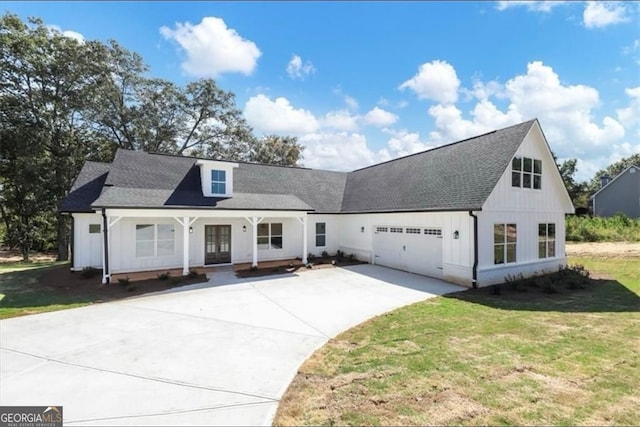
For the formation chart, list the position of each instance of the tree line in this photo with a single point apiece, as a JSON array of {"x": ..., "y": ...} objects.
[{"x": 63, "y": 101}]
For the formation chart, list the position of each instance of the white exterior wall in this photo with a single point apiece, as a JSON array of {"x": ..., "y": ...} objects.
[
  {"x": 457, "y": 254},
  {"x": 332, "y": 240},
  {"x": 87, "y": 248},
  {"x": 527, "y": 208}
]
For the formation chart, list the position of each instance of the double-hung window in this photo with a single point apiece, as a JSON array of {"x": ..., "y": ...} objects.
[
  {"x": 321, "y": 234},
  {"x": 270, "y": 235},
  {"x": 526, "y": 173},
  {"x": 546, "y": 240},
  {"x": 155, "y": 240},
  {"x": 218, "y": 182},
  {"x": 504, "y": 243}
]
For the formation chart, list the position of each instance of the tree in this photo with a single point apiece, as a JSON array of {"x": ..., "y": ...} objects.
[
  {"x": 277, "y": 150},
  {"x": 46, "y": 81},
  {"x": 613, "y": 170},
  {"x": 577, "y": 190}
]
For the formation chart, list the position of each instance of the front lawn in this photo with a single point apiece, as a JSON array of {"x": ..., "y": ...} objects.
[
  {"x": 476, "y": 358},
  {"x": 28, "y": 288}
]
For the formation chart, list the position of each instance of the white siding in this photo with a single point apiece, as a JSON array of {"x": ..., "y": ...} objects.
[
  {"x": 527, "y": 208},
  {"x": 87, "y": 248},
  {"x": 332, "y": 223},
  {"x": 457, "y": 253}
]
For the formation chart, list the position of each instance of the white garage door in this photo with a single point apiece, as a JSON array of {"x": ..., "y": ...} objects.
[{"x": 414, "y": 249}]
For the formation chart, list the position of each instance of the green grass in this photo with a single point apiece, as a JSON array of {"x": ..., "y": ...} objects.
[
  {"x": 618, "y": 228},
  {"x": 473, "y": 358}
]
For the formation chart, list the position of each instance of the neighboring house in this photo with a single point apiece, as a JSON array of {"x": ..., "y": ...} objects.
[
  {"x": 620, "y": 195},
  {"x": 471, "y": 212}
]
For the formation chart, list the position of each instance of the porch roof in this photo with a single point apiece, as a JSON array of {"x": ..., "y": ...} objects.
[{"x": 125, "y": 197}]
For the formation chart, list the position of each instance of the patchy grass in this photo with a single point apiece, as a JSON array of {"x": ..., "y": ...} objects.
[
  {"x": 474, "y": 358},
  {"x": 29, "y": 288}
]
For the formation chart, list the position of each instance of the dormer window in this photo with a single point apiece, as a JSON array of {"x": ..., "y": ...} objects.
[{"x": 218, "y": 182}]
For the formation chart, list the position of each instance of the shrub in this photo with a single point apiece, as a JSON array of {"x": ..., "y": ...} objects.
[
  {"x": 352, "y": 257},
  {"x": 311, "y": 256},
  {"x": 340, "y": 254},
  {"x": 164, "y": 276},
  {"x": 89, "y": 272},
  {"x": 254, "y": 268},
  {"x": 325, "y": 254},
  {"x": 193, "y": 274},
  {"x": 617, "y": 228},
  {"x": 124, "y": 281}
]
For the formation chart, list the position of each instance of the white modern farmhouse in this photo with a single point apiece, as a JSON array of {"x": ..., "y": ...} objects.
[{"x": 471, "y": 212}]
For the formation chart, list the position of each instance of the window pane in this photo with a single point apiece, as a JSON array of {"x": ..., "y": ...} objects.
[
  {"x": 263, "y": 230},
  {"x": 498, "y": 254},
  {"x": 515, "y": 179},
  {"x": 551, "y": 248},
  {"x": 498, "y": 233},
  {"x": 263, "y": 243},
  {"x": 219, "y": 176},
  {"x": 144, "y": 248},
  {"x": 320, "y": 227},
  {"x": 320, "y": 240},
  {"x": 165, "y": 231},
  {"x": 165, "y": 247},
  {"x": 552, "y": 231},
  {"x": 542, "y": 230},
  {"x": 511, "y": 233},
  {"x": 218, "y": 188},
  {"x": 542, "y": 250},
  {"x": 527, "y": 165},
  {"x": 537, "y": 166},
  {"x": 526, "y": 180},
  {"x": 214, "y": 175},
  {"x": 537, "y": 182},
  {"x": 144, "y": 232},
  {"x": 276, "y": 242},
  {"x": 276, "y": 229},
  {"x": 94, "y": 228},
  {"x": 516, "y": 164},
  {"x": 511, "y": 252},
  {"x": 222, "y": 176}
]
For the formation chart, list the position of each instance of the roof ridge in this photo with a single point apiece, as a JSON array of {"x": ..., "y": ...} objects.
[{"x": 443, "y": 146}]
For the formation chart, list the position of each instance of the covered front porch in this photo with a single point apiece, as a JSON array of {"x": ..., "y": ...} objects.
[{"x": 137, "y": 240}]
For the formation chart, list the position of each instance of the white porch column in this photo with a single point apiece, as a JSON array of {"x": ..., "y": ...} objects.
[
  {"x": 254, "y": 228},
  {"x": 305, "y": 251},
  {"x": 107, "y": 223},
  {"x": 185, "y": 246}
]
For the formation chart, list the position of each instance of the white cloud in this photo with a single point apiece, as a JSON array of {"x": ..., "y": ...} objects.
[
  {"x": 601, "y": 14},
  {"x": 534, "y": 6},
  {"x": 341, "y": 120},
  {"x": 630, "y": 116},
  {"x": 342, "y": 151},
  {"x": 68, "y": 33},
  {"x": 379, "y": 117},
  {"x": 403, "y": 143},
  {"x": 212, "y": 48},
  {"x": 351, "y": 102},
  {"x": 278, "y": 116},
  {"x": 436, "y": 80},
  {"x": 296, "y": 69}
]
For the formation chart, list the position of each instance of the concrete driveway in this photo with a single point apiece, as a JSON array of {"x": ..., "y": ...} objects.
[{"x": 220, "y": 353}]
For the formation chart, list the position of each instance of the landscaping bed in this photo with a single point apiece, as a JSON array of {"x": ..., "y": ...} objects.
[{"x": 296, "y": 266}]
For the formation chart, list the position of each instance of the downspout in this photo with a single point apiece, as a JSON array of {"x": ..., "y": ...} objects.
[
  {"x": 105, "y": 227},
  {"x": 71, "y": 243},
  {"x": 474, "y": 282}
]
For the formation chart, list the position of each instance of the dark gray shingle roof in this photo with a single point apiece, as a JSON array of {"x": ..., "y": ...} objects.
[
  {"x": 458, "y": 176},
  {"x": 86, "y": 188}
]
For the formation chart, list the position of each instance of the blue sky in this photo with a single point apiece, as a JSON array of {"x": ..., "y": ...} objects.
[{"x": 363, "y": 82}]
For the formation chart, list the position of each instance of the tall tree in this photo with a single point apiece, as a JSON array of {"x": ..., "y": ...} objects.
[
  {"x": 577, "y": 190},
  {"x": 613, "y": 170},
  {"x": 277, "y": 150}
]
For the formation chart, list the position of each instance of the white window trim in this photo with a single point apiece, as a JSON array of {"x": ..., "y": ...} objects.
[
  {"x": 226, "y": 174},
  {"x": 546, "y": 241},
  {"x": 522, "y": 172},
  {"x": 155, "y": 241},
  {"x": 505, "y": 243},
  {"x": 269, "y": 236},
  {"x": 321, "y": 234}
]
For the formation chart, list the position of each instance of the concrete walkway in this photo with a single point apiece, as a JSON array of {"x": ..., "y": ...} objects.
[{"x": 218, "y": 353}]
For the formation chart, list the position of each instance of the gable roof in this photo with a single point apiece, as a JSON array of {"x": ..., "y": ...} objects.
[
  {"x": 616, "y": 177},
  {"x": 457, "y": 176},
  {"x": 86, "y": 188}
]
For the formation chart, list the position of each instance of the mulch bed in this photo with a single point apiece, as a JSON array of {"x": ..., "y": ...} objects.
[{"x": 297, "y": 267}]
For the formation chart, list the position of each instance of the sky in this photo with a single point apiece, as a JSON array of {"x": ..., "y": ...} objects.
[{"x": 363, "y": 82}]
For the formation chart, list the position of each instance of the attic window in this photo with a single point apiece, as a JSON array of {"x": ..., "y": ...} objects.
[
  {"x": 218, "y": 182},
  {"x": 526, "y": 173}
]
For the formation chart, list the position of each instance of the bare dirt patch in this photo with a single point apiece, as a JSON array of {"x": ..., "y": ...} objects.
[
  {"x": 7, "y": 255},
  {"x": 604, "y": 249}
]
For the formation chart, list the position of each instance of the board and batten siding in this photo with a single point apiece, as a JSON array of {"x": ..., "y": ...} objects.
[
  {"x": 457, "y": 254},
  {"x": 620, "y": 195},
  {"x": 87, "y": 247},
  {"x": 526, "y": 208}
]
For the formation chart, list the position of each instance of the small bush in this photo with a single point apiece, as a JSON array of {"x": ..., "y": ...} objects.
[
  {"x": 254, "y": 268},
  {"x": 311, "y": 256},
  {"x": 340, "y": 254},
  {"x": 325, "y": 254},
  {"x": 89, "y": 272},
  {"x": 164, "y": 276},
  {"x": 124, "y": 281},
  {"x": 192, "y": 274},
  {"x": 352, "y": 257}
]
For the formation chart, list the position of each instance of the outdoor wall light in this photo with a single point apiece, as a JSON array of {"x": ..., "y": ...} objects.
[
  {"x": 244, "y": 228},
  {"x": 191, "y": 230},
  {"x": 362, "y": 229},
  {"x": 456, "y": 234}
]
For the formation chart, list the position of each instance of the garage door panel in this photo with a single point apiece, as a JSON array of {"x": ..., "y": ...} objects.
[{"x": 415, "y": 249}]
